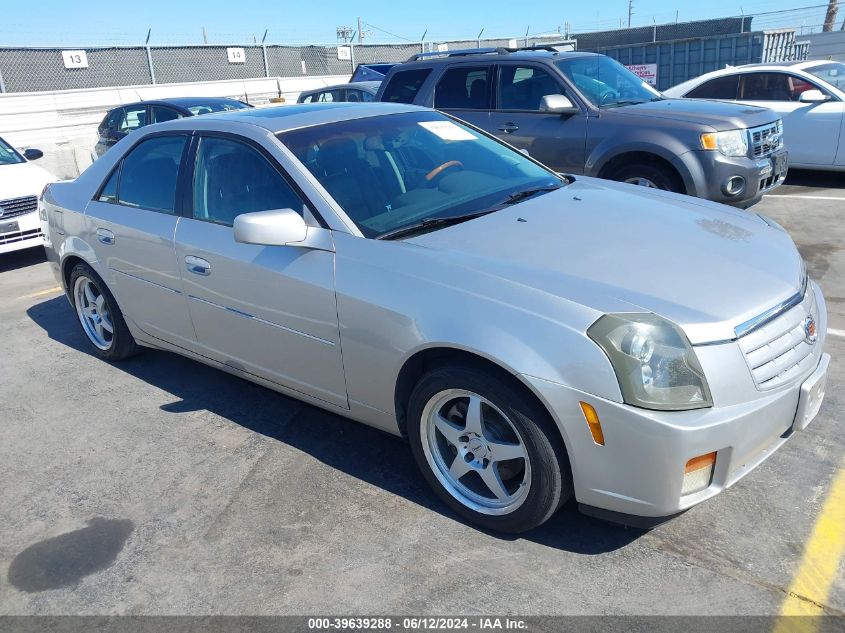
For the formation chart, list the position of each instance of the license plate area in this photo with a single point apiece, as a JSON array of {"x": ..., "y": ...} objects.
[
  {"x": 9, "y": 227},
  {"x": 811, "y": 396}
]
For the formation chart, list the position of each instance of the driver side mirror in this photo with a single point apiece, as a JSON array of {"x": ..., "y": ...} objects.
[
  {"x": 270, "y": 228},
  {"x": 32, "y": 153},
  {"x": 557, "y": 104},
  {"x": 813, "y": 96}
]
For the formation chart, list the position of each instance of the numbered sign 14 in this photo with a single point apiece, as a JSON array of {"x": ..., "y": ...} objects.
[{"x": 236, "y": 55}]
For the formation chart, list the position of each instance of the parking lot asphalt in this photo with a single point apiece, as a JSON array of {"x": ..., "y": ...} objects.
[{"x": 161, "y": 486}]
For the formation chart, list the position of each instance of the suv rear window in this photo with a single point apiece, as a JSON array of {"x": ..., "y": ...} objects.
[{"x": 404, "y": 85}]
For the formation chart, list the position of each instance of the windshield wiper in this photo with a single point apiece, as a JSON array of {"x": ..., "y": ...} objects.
[
  {"x": 527, "y": 193},
  {"x": 430, "y": 224}
]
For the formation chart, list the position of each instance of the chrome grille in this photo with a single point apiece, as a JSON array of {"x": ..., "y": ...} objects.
[
  {"x": 14, "y": 207},
  {"x": 766, "y": 139},
  {"x": 777, "y": 351}
]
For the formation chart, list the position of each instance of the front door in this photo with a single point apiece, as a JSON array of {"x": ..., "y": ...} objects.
[
  {"x": 556, "y": 140},
  {"x": 267, "y": 310},
  {"x": 811, "y": 130},
  {"x": 132, "y": 223}
]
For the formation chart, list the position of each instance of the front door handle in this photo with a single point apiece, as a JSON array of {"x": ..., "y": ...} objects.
[
  {"x": 105, "y": 236},
  {"x": 197, "y": 265},
  {"x": 507, "y": 128}
]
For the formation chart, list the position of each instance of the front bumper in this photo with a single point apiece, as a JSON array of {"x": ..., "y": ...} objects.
[
  {"x": 23, "y": 231},
  {"x": 758, "y": 176},
  {"x": 639, "y": 470}
]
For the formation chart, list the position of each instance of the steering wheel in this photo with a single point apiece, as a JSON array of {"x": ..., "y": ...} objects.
[
  {"x": 608, "y": 96},
  {"x": 437, "y": 170}
]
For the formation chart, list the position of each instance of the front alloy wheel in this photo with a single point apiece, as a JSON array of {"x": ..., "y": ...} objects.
[
  {"x": 487, "y": 447},
  {"x": 475, "y": 452}
]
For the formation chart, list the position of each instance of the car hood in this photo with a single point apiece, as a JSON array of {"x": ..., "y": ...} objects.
[
  {"x": 715, "y": 114},
  {"x": 619, "y": 248},
  {"x": 23, "y": 179}
]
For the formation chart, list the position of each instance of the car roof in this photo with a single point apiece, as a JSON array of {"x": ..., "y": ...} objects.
[
  {"x": 289, "y": 117},
  {"x": 369, "y": 86},
  {"x": 522, "y": 55},
  {"x": 183, "y": 102}
]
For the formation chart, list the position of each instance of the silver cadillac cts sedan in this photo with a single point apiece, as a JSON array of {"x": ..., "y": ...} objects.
[{"x": 534, "y": 336}]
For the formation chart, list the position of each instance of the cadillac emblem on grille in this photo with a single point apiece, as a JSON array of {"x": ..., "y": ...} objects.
[{"x": 810, "y": 330}]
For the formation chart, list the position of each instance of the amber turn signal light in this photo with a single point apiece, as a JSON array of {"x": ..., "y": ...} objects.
[{"x": 593, "y": 423}]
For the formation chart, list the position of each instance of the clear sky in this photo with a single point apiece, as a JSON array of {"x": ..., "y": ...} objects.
[{"x": 101, "y": 22}]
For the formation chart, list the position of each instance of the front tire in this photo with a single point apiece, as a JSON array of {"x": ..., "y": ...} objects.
[
  {"x": 648, "y": 174},
  {"x": 489, "y": 451},
  {"x": 98, "y": 315}
]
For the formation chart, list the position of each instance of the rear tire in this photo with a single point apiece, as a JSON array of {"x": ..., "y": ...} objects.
[
  {"x": 489, "y": 451},
  {"x": 650, "y": 174},
  {"x": 99, "y": 316}
]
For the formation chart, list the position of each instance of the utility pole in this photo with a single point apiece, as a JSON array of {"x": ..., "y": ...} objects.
[
  {"x": 360, "y": 32},
  {"x": 630, "y": 11},
  {"x": 830, "y": 16}
]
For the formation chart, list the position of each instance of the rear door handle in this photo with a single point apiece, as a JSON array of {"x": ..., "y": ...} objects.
[
  {"x": 507, "y": 128},
  {"x": 197, "y": 265},
  {"x": 105, "y": 236}
]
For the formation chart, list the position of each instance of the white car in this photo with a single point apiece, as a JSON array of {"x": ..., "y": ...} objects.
[
  {"x": 809, "y": 96},
  {"x": 21, "y": 183}
]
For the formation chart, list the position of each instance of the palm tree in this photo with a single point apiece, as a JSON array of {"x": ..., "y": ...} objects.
[{"x": 830, "y": 16}]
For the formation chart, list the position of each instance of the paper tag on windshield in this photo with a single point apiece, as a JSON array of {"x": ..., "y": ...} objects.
[{"x": 447, "y": 130}]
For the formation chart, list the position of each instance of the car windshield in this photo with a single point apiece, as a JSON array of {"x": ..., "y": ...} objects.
[
  {"x": 8, "y": 155},
  {"x": 216, "y": 106},
  {"x": 414, "y": 169},
  {"x": 606, "y": 82},
  {"x": 833, "y": 73}
]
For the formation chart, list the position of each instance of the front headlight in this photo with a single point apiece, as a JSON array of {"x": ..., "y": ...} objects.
[
  {"x": 730, "y": 143},
  {"x": 653, "y": 360}
]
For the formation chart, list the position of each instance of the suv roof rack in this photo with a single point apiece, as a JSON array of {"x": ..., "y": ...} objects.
[{"x": 500, "y": 50}]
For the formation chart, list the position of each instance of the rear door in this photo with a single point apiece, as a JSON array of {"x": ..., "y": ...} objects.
[
  {"x": 811, "y": 130},
  {"x": 132, "y": 221},
  {"x": 556, "y": 140},
  {"x": 464, "y": 91},
  {"x": 266, "y": 310}
]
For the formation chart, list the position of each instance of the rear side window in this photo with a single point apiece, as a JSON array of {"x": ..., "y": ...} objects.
[
  {"x": 149, "y": 174},
  {"x": 113, "y": 119},
  {"x": 718, "y": 88},
  {"x": 160, "y": 114},
  {"x": 133, "y": 118},
  {"x": 463, "y": 87},
  {"x": 404, "y": 86}
]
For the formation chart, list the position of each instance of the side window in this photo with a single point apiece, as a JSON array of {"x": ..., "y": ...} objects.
[
  {"x": 329, "y": 96},
  {"x": 718, "y": 88},
  {"x": 404, "y": 86},
  {"x": 114, "y": 118},
  {"x": 109, "y": 191},
  {"x": 463, "y": 87},
  {"x": 353, "y": 96},
  {"x": 232, "y": 178},
  {"x": 134, "y": 118},
  {"x": 367, "y": 96},
  {"x": 308, "y": 99},
  {"x": 797, "y": 86},
  {"x": 765, "y": 87},
  {"x": 523, "y": 87},
  {"x": 160, "y": 114},
  {"x": 149, "y": 174}
]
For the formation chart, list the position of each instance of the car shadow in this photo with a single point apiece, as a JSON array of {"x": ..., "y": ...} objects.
[
  {"x": 820, "y": 179},
  {"x": 22, "y": 259},
  {"x": 352, "y": 448}
]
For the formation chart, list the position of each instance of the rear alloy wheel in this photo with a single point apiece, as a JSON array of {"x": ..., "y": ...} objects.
[
  {"x": 98, "y": 314},
  {"x": 652, "y": 175},
  {"x": 489, "y": 452}
]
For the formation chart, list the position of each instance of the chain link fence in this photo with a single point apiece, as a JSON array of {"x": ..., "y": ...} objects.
[{"x": 46, "y": 69}]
